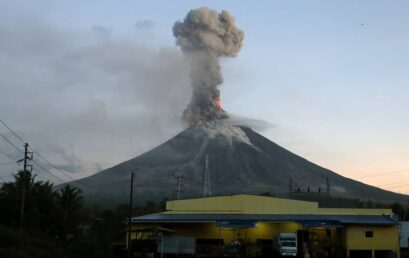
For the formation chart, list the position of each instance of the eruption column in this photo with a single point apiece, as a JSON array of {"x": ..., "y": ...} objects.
[{"x": 204, "y": 36}]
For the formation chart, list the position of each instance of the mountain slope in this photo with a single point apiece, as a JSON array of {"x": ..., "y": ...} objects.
[{"x": 239, "y": 161}]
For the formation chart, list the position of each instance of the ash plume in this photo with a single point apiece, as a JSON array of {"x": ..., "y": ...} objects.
[{"x": 204, "y": 36}]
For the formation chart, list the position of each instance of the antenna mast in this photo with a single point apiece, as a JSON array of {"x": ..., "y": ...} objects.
[
  {"x": 179, "y": 185},
  {"x": 206, "y": 186},
  {"x": 328, "y": 189},
  {"x": 290, "y": 187}
]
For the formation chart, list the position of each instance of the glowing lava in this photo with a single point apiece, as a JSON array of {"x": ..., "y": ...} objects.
[{"x": 218, "y": 103}]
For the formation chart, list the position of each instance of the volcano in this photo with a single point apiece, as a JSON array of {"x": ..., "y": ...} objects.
[{"x": 239, "y": 161}]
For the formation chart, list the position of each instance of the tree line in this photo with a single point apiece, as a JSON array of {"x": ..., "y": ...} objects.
[{"x": 56, "y": 222}]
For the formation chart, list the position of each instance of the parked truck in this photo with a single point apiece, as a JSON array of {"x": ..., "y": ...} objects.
[{"x": 285, "y": 244}]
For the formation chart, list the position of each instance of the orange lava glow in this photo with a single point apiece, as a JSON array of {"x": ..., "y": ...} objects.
[{"x": 218, "y": 103}]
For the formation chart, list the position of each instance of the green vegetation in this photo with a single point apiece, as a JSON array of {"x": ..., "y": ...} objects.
[{"x": 56, "y": 223}]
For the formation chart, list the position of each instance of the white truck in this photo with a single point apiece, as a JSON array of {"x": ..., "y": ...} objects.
[{"x": 285, "y": 244}]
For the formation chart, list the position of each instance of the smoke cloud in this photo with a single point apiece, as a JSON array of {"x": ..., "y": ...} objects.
[
  {"x": 204, "y": 36},
  {"x": 95, "y": 94}
]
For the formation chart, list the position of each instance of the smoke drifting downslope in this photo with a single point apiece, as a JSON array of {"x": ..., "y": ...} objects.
[
  {"x": 240, "y": 161},
  {"x": 204, "y": 36}
]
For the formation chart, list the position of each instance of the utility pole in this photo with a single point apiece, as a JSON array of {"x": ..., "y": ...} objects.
[
  {"x": 23, "y": 191},
  {"x": 130, "y": 219}
]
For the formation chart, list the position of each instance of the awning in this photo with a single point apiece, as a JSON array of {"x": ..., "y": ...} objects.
[
  {"x": 153, "y": 230},
  {"x": 236, "y": 224},
  {"x": 320, "y": 223},
  {"x": 246, "y": 218}
]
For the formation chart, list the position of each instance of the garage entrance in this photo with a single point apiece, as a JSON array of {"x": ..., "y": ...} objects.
[{"x": 322, "y": 238}]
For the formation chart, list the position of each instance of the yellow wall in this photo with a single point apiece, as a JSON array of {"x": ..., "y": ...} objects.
[
  {"x": 252, "y": 204},
  {"x": 384, "y": 238},
  {"x": 248, "y": 204},
  {"x": 357, "y": 211}
]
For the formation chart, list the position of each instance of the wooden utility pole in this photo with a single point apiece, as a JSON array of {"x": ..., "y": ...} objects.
[
  {"x": 24, "y": 183},
  {"x": 130, "y": 219}
]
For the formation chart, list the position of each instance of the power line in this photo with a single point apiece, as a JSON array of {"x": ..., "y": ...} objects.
[
  {"x": 15, "y": 134},
  {"x": 53, "y": 166},
  {"x": 5, "y": 138},
  {"x": 398, "y": 186},
  {"x": 392, "y": 184},
  {"x": 386, "y": 173},
  {"x": 61, "y": 180},
  {"x": 42, "y": 157},
  {"x": 7, "y": 163},
  {"x": 7, "y": 155},
  {"x": 37, "y": 153},
  {"x": 47, "y": 176},
  {"x": 12, "y": 144},
  {"x": 48, "y": 172}
]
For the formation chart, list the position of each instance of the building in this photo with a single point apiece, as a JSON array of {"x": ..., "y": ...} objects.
[{"x": 247, "y": 225}]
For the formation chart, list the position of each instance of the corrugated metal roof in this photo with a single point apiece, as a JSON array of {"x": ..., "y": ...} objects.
[{"x": 343, "y": 219}]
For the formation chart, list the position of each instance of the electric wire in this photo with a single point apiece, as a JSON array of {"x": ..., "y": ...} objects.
[
  {"x": 49, "y": 177},
  {"x": 11, "y": 130},
  {"x": 45, "y": 160},
  {"x": 78, "y": 182},
  {"x": 12, "y": 144},
  {"x": 386, "y": 173},
  {"x": 8, "y": 163},
  {"x": 48, "y": 172},
  {"x": 393, "y": 184},
  {"x": 37, "y": 153},
  {"x": 396, "y": 184},
  {"x": 53, "y": 166},
  {"x": 7, "y": 155}
]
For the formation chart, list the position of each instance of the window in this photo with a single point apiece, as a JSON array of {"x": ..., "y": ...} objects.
[{"x": 369, "y": 234}]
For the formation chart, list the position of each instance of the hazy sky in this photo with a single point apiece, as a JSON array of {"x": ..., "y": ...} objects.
[{"x": 92, "y": 83}]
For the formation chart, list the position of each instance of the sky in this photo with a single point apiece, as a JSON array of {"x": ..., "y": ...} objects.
[{"x": 93, "y": 83}]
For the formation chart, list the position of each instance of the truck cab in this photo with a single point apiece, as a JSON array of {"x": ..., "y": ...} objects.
[{"x": 285, "y": 244}]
